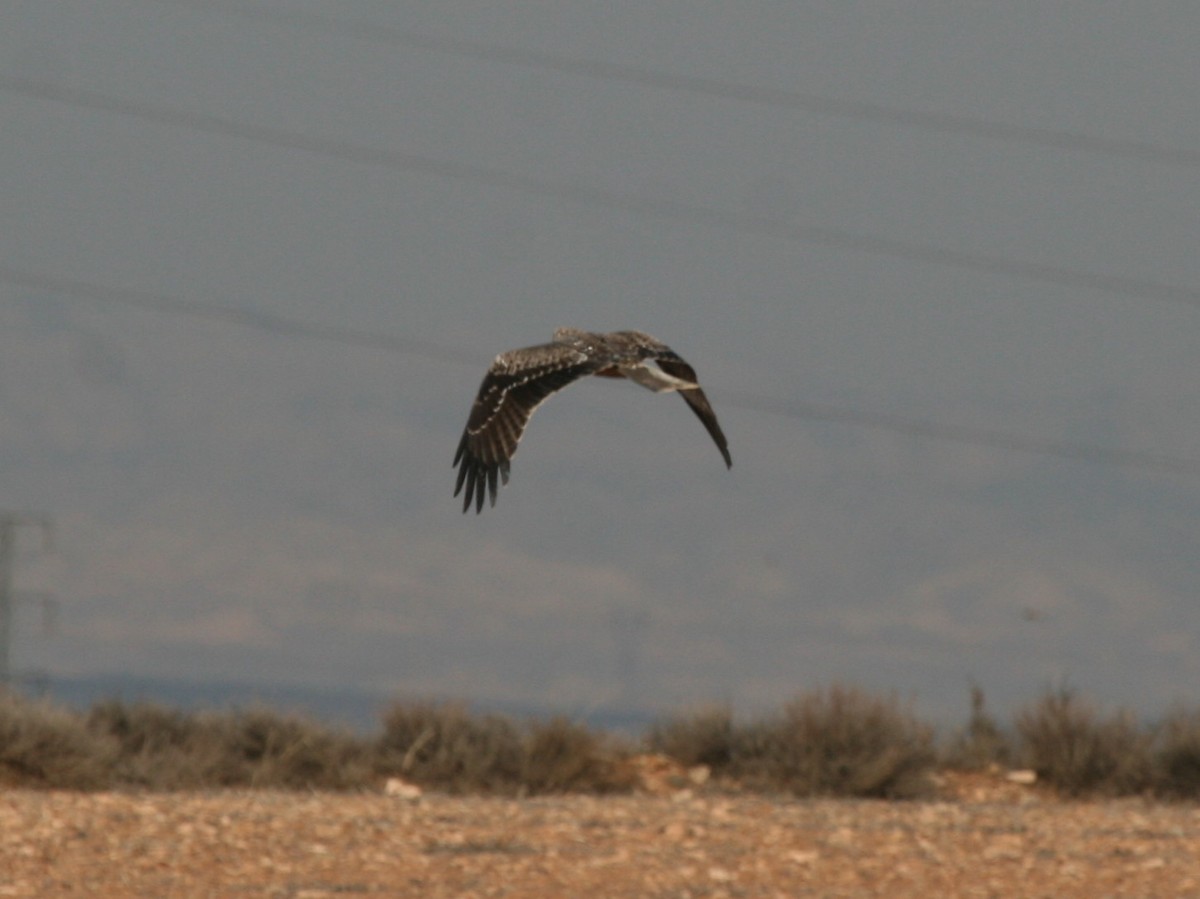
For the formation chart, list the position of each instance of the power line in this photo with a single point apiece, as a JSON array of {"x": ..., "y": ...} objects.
[
  {"x": 984, "y": 437},
  {"x": 281, "y": 325},
  {"x": 779, "y": 98},
  {"x": 285, "y": 326},
  {"x": 633, "y": 203}
]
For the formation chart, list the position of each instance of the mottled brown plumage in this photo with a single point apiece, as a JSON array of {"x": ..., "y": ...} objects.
[{"x": 521, "y": 380}]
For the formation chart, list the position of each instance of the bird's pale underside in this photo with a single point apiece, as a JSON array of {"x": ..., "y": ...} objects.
[{"x": 521, "y": 380}]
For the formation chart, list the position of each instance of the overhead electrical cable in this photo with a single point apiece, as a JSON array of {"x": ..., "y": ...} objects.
[
  {"x": 779, "y": 98},
  {"x": 286, "y": 326},
  {"x": 633, "y": 203},
  {"x": 282, "y": 325}
]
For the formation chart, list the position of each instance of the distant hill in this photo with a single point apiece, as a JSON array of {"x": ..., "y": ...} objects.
[{"x": 356, "y": 709}]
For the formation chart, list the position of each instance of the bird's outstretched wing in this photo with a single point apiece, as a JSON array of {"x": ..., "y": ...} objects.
[
  {"x": 670, "y": 362},
  {"x": 517, "y": 383}
]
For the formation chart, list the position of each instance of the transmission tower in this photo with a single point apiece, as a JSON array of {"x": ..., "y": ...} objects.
[{"x": 10, "y": 524}]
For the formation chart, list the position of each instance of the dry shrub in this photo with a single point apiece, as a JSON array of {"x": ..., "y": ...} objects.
[
  {"x": 1078, "y": 752},
  {"x": 1177, "y": 756},
  {"x": 166, "y": 749},
  {"x": 564, "y": 757},
  {"x": 158, "y": 748},
  {"x": 264, "y": 749},
  {"x": 838, "y": 742},
  {"x": 44, "y": 746},
  {"x": 444, "y": 747},
  {"x": 982, "y": 744},
  {"x": 705, "y": 737}
]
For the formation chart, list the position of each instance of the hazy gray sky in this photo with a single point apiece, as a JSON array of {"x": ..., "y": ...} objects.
[{"x": 982, "y": 218}]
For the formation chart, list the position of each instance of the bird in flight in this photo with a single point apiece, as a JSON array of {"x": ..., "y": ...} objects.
[{"x": 521, "y": 380}]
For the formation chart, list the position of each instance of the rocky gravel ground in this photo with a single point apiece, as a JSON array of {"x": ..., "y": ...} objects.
[{"x": 983, "y": 838}]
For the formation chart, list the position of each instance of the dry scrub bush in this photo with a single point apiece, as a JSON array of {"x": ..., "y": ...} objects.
[
  {"x": 44, "y": 746},
  {"x": 1079, "y": 753},
  {"x": 447, "y": 748},
  {"x": 444, "y": 747},
  {"x": 839, "y": 742},
  {"x": 836, "y": 742},
  {"x": 158, "y": 748},
  {"x": 703, "y": 738},
  {"x": 564, "y": 757},
  {"x": 1177, "y": 756},
  {"x": 982, "y": 743},
  {"x": 264, "y": 749},
  {"x": 166, "y": 749}
]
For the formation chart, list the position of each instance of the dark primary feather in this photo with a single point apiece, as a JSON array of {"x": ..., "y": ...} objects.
[
  {"x": 697, "y": 401},
  {"x": 506, "y": 400},
  {"x": 700, "y": 405},
  {"x": 521, "y": 380}
]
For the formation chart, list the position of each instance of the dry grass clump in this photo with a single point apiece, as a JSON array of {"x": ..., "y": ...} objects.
[
  {"x": 42, "y": 745},
  {"x": 1079, "y": 752},
  {"x": 835, "y": 742},
  {"x": 1176, "y": 755},
  {"x": 840, "y": 742},
  {"x": 562, "y": 756},
  {"x": 703, "y": 738},
  {"x": 166, "y": 749},
  {"x": 264, "y": 749},
  {"x": 982, "y": 744},
  {"x": 445, "y": 747},
  {"x": 442, "y": 747},
  {"x": 156, "y": 747}
]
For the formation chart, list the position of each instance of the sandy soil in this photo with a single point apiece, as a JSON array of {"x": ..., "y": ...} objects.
[{"x": 983, "y": 839}]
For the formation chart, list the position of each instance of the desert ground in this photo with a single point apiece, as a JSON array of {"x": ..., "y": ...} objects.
[{"x": 982, "y": 836}]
